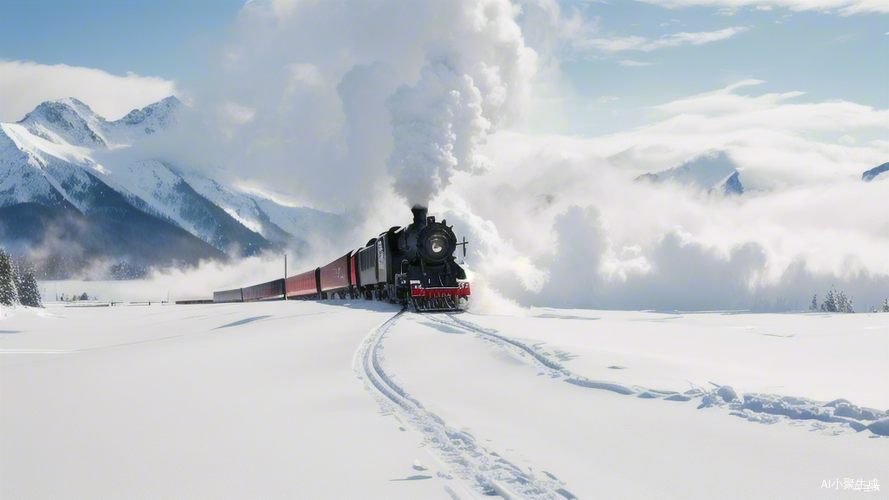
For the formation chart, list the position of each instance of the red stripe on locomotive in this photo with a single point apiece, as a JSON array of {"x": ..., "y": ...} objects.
[{"x": 461, "y": 291}]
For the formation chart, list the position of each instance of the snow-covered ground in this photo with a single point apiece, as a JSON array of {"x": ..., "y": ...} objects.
[{"x": 353, "y": 400}]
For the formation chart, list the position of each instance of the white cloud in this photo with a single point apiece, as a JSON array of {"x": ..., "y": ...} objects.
[
  {"x": 847, "y": 140},
  {"x": 615, "y": 242},
  {"x": 628, "y": 62},
  {"x": 728, "y": 7},
  {"x": 763, "y": 7},
  {"x": 304, "y": 74},
  {"x": 235, "y": 114},
  {"x": 618, "y": 44},
  {"x": 26, "y": 84}
]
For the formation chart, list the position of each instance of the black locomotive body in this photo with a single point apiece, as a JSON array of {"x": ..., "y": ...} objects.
[{"x": 413, "y": 265}]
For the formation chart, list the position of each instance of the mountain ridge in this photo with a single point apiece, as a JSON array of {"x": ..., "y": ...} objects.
[
  {"x": 46, "y": 160},
  {"x": 712, "y": 170}
]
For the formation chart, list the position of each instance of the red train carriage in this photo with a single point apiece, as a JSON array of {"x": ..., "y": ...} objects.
[
  {"x": 335, "y": 278},
  {"x": 303, "y": 286}
]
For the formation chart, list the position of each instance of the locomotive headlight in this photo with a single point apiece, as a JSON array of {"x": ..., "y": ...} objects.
[{"x": 437, "y": 246}]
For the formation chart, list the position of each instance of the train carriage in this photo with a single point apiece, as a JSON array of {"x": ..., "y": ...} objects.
[
  {"x": 335, "y": 278},
  {"x": 303, "y": 286},
  {"x": 264, "y": 291},
  {"x": 233, "y": 295}
]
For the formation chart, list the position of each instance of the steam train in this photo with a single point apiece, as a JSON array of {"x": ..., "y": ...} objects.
[{"x": 406, "y": 265}]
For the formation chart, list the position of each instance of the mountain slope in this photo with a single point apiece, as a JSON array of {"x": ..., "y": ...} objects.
[
  {"x": 48, "y": 159},
  {"x": 115, "y": 232},
  {"x": 168, "y": 195},
  {"x": 274, "y": 221},
  {"x": 45, "y": 158},
  {"x": 876, "y": 173},
  {"x": 712, "y": 170}
]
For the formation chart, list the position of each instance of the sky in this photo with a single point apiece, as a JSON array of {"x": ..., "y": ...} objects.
[
  {"x": 824, "y": 53},
  {"x": 525, "y": 123}
]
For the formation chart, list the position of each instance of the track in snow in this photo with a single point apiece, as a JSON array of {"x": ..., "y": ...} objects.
[
  {"x": 762, "y": 408},
  {"x": 485, "y": 471}
]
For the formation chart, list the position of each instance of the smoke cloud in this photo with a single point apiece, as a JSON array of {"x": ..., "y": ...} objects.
[{"x": 476, "y": 80}]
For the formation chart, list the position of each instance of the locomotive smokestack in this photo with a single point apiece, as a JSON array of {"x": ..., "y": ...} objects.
[{"x": 419, "y": 215}]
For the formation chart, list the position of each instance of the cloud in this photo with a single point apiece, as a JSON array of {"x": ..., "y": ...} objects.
[
  {"x": 627, "y": 62},
  {"x": 841, "y": 7},
  {"x": 304, "y": 74},
  {"x": 111, "y": 96},
  {"x": 305, "y": 89},
  {"x": 618, "y": 44},
  {"x": 476, "y": 80},
  {"x": 763, "y": 7},
  {"x": 235, "y": 114},
  {"x": 559, "y": 221}
]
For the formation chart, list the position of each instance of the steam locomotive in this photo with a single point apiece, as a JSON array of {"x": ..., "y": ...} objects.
[{"x": 407, "y": 265}]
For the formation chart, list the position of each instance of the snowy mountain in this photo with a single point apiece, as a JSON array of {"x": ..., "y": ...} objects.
[
  {"x": 712, "y": 170},
  {"x": 73, "y": 122},
  {"x": 876, "y": 173},
  {"x": 169, "y": 196},
  {"x": 274, "y": 221},
  {"x": 47, "y": 171}
]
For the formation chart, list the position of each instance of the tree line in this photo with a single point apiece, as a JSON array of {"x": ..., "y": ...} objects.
[
  {"x": 837, "y": 302},
  {"x": 18, "y": 283}
]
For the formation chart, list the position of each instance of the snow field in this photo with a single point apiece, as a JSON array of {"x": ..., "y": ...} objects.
[
  {"x": 817, "y": 356},
  {"x": 602, "y": 443},
  {"x": 208, "y": 401},
  {"x": 354, "y": 400}
]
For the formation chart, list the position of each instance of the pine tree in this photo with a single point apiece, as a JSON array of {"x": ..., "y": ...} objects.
[
  {"x": 814, "y": 306},
  {"x": 8, "y": 293},
  {"x": 830, "y": 301},
  {"x": 841, "y": 302},
  {"x": 26, "y": 283},
  {"x": 886, "y": 306}
]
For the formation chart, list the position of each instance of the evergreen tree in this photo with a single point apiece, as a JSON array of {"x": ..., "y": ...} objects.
[
  {"x": 830, "y": 301},
  {"x": 886, "y": 306},
  {"x": 814, "y": 306},
  {"x": 26, "y": 283},
  {"x": 841, "y": 302},
  {"x": 8, "y": 293}
]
